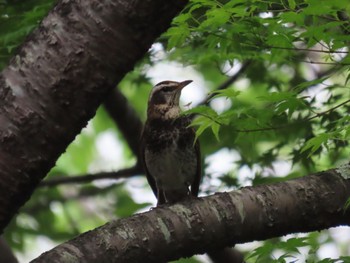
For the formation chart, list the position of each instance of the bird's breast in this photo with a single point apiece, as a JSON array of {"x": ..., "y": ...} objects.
[
  {"x": 171, "y": 158},
  {"x": 172, "y": 167}
]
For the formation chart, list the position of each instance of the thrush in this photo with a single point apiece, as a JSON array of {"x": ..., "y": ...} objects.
[{"x": 169, "y": 152}]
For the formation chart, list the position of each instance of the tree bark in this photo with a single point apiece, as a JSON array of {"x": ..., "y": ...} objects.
[
  {"x": 6, "y": 253},
  {"x": 62, "y": 72},
  {"x": 309, "y": 203}
]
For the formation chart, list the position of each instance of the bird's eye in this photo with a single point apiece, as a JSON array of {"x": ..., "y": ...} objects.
[{"x": 167, "y": 89}]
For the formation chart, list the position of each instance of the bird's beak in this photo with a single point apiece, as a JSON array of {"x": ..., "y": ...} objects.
[{"x": 184, "y": 84}]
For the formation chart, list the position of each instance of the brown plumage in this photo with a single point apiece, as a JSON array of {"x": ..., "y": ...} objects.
[{"x": 170, "y": 157}]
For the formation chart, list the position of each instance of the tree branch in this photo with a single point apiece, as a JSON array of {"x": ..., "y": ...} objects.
[
  {"x": 325, "y": 63},
  {"x": 306, "y": 49},
  {"x": 317, "y": 115},
  {"x": 81, "y": 193},
  {"x": 205, "y": 224},
  {"x": 124, "y": 173},
  {"x": 6, "y": 252},
  {"x": 59, "y": 77},
  {"x": 320, "y": 114}
]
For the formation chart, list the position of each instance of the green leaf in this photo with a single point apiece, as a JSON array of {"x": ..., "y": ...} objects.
[
  {"x": 215, "y": 18},
  {"x": 292, "y": 244},
  {"x": 228, "y": 93},
  {"x": 347, "y": 79},
  {"x": 215, "y": 127},
  {"x": 347, "y": 204},
  {"x": 279, "y": 41},
  {"x": 263, "y": 251},
  {"x": 202, "y": 110},
  {"x": 291, "y": 4},
  {"x": 203, "y": 123},
  {"x": 314, "y": 143},
  {"x": 293, "y": 17},
  {"x": 308, "y": 84},
  {"x": 177, "y": 36},
  {"x": 277, "y": 96}
]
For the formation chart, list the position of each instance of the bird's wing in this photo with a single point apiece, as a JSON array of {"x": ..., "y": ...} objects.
[
  {"x": 198, "y": 176},
  {"x": 149, "y": 177}
]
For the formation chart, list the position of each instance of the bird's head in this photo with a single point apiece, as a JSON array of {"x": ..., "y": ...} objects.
[{"x": 164, "y": 99}]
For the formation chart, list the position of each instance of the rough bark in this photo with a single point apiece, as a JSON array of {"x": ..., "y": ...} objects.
[
  {"x": 62, "y": 72},
  {"x": 6, "y": 254},
  {"x": 309, "y": 203}
]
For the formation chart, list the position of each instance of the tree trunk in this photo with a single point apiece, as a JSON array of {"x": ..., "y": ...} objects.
[
  {"x": 62, "y": 72},
  {"x": 195, "y": 226}
]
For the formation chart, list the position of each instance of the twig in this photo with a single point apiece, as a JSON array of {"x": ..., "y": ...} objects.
[
  {"x": 124, "y": 173},
  {"x": 81, "y": 193},
  {"x": 317, "y": 115},
  {"x": 327, "y": 111},
  {"x": 308, "y": 50},
  {"x": 324, "y": 63},
  {"x": 265, "y": 128},
  {"x": 328, "y": 51}
]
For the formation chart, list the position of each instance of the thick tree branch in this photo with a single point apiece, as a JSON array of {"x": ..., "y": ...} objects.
[
  {"x": 6, "y": 253},
  {"x": 195, "y": 226},
  {"x": 60, "y": 75}
]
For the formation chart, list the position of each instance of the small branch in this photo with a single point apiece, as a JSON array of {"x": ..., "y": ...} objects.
[
  {"x": 328, "y": 72},
  {"x": 317, "y": 115},
  {"x": 81, "y": 193},
  {"x": 265, "y": 128},
  {"x": 324, "y": 63},
  {"x": 327, "y": 111},
  {"x": 309, "y": 50},
  {"x": 259, "y": 47},
  {"x": 124, "y": 173}
]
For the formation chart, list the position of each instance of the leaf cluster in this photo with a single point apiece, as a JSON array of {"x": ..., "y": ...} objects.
[{"x": 280, "y": 106}]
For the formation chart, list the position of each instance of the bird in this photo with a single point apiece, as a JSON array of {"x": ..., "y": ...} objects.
[{"x": 170, "y": 153}]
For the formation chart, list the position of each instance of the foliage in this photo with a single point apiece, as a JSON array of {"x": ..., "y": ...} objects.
[
  {"x": 290, "y": 105},
  {"x": 280, "y": 38},
  {"x": 265, "y": 252}
]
